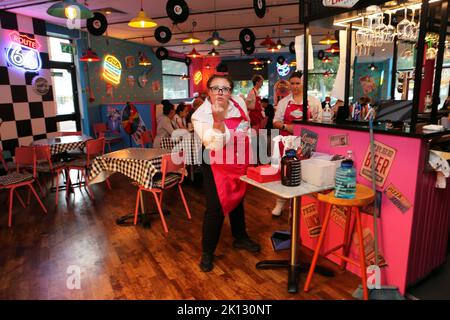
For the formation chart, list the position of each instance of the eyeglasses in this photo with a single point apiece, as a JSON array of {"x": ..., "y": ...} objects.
[{"x": 217, "y": 89}]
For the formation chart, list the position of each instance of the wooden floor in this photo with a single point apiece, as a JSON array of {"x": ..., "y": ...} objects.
[{"x": 118, "y": 262}]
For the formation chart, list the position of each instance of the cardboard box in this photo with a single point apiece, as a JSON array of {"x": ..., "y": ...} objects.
[{"x": 263, "y": 174}]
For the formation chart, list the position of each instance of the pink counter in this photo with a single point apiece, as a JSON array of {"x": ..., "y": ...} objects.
[{"x": 414, "y": 242}]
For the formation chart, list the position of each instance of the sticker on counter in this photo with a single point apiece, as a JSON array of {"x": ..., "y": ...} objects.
[
  {"x": 308, "y": 142},
  {"x": 397, "y": 198},
  {"x": 339, "y": 140},
  {"x": 339, "y": 215},
  {"x": 384, "y": 157},
  {"x": 311, "y": 216},
  {"x": 369, "y": 248}
]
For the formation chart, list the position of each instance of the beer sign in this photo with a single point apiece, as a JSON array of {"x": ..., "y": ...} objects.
[{"x": 384, "y": 157}]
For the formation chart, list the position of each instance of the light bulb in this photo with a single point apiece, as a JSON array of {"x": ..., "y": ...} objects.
[
  {"x": 216, "y": 42},
  {"x": 279, "y": 46},
  {"x": 71, "y": 12},
  {"x": 142, "y": 24}
]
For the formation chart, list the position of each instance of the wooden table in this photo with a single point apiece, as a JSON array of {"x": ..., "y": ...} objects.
[{"x": 294, "y": 194}]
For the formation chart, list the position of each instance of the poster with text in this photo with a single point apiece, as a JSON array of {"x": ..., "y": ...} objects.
[
  {"x": 312, "y": 219},
  {"x": 384, "y": 157}
]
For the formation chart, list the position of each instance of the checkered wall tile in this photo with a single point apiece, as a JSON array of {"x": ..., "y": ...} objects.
[{"x": 26, "y": 115}]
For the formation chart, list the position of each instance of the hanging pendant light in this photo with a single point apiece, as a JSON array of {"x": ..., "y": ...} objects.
[
  {"x": 258, "y": 68},
  {"x": 333, "y": 49},
  {"x": 184, "y": 77},
  {"x": 326, "y": 59},
  {"x": 255, "y": 62},
  {"x": 213, "y": 52},
  {"x": 273, "y": 48},
  {"x": 90, "y": 56},
  {"x": 268, "y": 42},
  {"x": 144, "y": 60},
  {"x": 373, "y": 67},
  {"x": 191, "y": 39},
  {"x": 193, "y": 54},
  {"x": 328, "y": 40},
  {"x": 142, "y": 21},
  {"x": 208, "y": 66},
  {"x": 279, "y": 44},
  {"x": 215, "y": 39},
  {"x": 70, "y": 9}
]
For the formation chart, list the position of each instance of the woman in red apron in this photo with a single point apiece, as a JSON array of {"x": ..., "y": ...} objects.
[
  {"x": 222, "y": 124},
  {"x": 289, "y": 111},
  {"x": 254, "y": 102}
]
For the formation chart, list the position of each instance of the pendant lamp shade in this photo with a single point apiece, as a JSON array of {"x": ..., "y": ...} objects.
[
  {"x": 90, "y": 56},
  {"x": 144, "y": 60},
  {"x": 213, "y": 52},
  {"x": 191, "y": 39},
  {"x": 268, "y": 42},
  {"x": 216, "y": 39},
  {"x": 142, "y": 21},
  {"x": 333, "y": 49},
  {"x": 273, "y": 48},
  {"x": 70, "y": 9},
  {"x": 328, "y": 40},
  {"x": 184, "y": 77},
  {"x": 255, "y": 62},
  {"x": 194, "y": 54}
]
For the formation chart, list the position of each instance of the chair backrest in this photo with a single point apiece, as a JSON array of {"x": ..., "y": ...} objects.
[
  {"x": 99, "y": 127},
  {"x": 25, "y": 157},
  {"x": 73, "y": 133},
  {"x": 146, "y": 137},
  {"x": 94, "y": 148},
  {"x": 172, "y": 162},
  {"x": 43, "y": 154}
]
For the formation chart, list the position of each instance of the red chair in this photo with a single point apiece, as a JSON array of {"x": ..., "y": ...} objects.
[
  {"x": 12, "y": 181},
  {"x": 45, "y": 164},
  {"x": 74, "y": 133},
  {"x": 146, "y": 138},
  {"x": 172, "y": 175},
  {"x": 7, "y": 169},
  {"x": 94, "y": 148},
  {"x": 102, "y": 128}
]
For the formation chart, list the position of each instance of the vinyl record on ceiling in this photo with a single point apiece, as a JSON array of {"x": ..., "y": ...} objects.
[
  {"x": 248, "y": 49},
  {"x": 188, "y": 61},
  {"x": 292, "y": 47},
  {"x": 321, "y": 54},
  {"x": 246, "y": 37},
  {"x": 163, "y": 34},
  {"x": 281, "y": 60},
  {"x": 162, "y": 53},
  {"x": 260, "y": 8},
  {"x": 177, "y": 10},
  {"x": 97, "y": 25}
]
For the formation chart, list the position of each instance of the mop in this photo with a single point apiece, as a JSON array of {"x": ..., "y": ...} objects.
[{"x": 377, "y": 291}]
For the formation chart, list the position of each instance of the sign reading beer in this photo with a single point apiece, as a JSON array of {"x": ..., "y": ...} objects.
[
  {"x": 397, "y": 198},
  {"x": 23, "y": 52},
  {"x": 311, "y": 216},
  {"x": 112, "y": 69},
  {"x": 384, "y": 156},
  {"x": 340, "y": 3}
]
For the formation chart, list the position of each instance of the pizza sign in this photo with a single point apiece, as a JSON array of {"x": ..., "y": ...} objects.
[{"x": 340, "y": 3}]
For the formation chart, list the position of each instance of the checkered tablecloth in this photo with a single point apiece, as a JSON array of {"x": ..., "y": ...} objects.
[
  {"x": 138, "y": 164},
  {"x": 65, "y": 144},
  {"x": 189, "y": 144}
]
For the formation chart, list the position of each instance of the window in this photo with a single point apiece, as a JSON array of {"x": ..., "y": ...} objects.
[
  {"x": 243, "y": 87},
  {"x": 321, "y": 79},
  {"x": 174, "y": 87}
]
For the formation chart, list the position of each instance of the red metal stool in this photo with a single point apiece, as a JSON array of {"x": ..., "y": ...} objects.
[{"x": 364, "y": 196}]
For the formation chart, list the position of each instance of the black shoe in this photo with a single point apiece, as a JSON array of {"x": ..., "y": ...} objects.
[
  {"x": 247, "y": 244},
  {"x": 206, "y": 263}
]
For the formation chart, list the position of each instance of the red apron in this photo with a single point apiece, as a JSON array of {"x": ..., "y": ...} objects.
[
  {"x": 230, "y": 189},
  {"x": 255, "y": 114}
]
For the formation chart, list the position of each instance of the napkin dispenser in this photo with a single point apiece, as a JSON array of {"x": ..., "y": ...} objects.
[{"x": 263, "y": 173}]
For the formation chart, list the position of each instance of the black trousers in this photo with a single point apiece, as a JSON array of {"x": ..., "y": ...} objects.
[{"x": 213, "y": 220}]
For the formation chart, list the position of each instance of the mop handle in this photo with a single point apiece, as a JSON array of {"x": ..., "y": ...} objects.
[{"x": 375, "y": 211}]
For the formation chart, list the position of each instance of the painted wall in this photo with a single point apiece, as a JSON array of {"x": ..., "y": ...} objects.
[
  {"x": 95, "y": 89},
  {"x": 374, "y": 84},
  {"x": 26, "y": 115},
  {"x": 394, "y": 226}
]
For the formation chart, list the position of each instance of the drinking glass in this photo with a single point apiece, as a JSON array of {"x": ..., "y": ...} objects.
[{"x": 402, "y": 26}]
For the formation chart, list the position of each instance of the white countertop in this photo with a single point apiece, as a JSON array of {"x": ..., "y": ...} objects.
[{"x": 282, "y": 191}]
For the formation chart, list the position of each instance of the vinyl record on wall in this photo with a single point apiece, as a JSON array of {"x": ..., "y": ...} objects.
[
  {"x": 247, "y": 37},
  {"x": 248, "y": 49},
  {"x": 260, "y": 8},
  {"x": 97, "y": 25},
  {"x": 292, "y": 47},
  {"x": 177, "y": 10},
  {"x": 163, "y": 34},
  {"x": 162, "y": 53}
]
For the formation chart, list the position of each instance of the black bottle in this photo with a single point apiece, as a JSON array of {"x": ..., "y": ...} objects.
[{"x": 291, "y": 169}]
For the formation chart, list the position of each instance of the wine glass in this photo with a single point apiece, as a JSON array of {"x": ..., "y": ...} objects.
[
  {"x": 402, "y": 26},
  {"x": 410, "y": 29},
  {"x": 380, "y": 31},
  {"x": 389, "y": 35}
]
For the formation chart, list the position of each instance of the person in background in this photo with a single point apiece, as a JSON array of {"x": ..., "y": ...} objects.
[
  {"x": 164, "y": 127},
  {"x": 282, "y": 88},
  {"x": 198, "y": 101},
  {"x": 253, "y": 101},
  {"x": 215, "y": 122},
  {"x": 179, "y": 120},
  {"x": 289, "y": 110}
]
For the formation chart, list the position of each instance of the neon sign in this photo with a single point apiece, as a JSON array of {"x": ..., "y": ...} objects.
[
  {"x": 23, "y": 52},
  {"x": 283, "y": 69},
  {"x": 112, "y": 69},
  {"x": 198, "y": 77}
]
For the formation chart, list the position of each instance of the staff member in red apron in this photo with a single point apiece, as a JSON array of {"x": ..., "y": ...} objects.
[
  {"x": 222, "y": 123},
  {"x": 289, "y": 110},
  {"x": 253, "y": 102}
]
